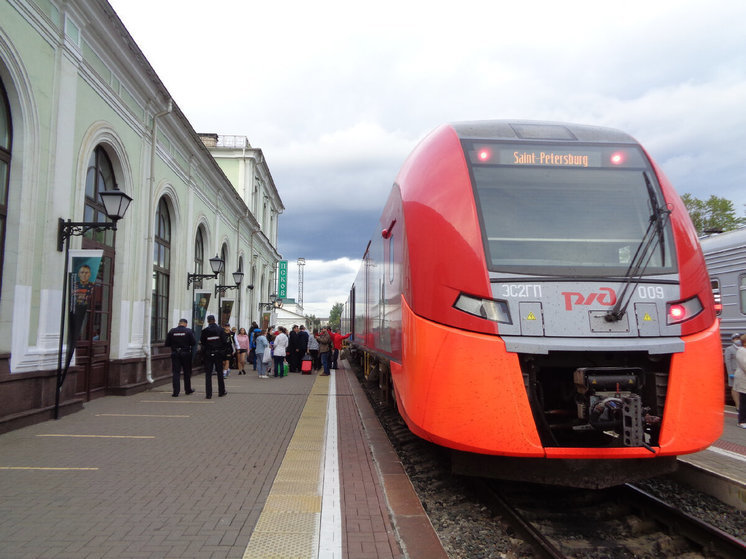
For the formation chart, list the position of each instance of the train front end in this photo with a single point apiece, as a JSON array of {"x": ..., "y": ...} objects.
[{"x": 566, "y": 311}]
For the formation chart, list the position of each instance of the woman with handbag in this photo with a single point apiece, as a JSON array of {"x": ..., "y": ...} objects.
[
  {"x": 263, "y": 355},
  {"x": 280, "y": 351}
]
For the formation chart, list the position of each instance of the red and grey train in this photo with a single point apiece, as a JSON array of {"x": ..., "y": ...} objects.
[{"x": 535, "y": 299}]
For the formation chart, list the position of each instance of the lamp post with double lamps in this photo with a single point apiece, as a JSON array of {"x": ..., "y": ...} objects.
[
  {"x": 221, "y": 289},
  {"x": 115, "y": 204},
  {"x": 216, "y": 265}
]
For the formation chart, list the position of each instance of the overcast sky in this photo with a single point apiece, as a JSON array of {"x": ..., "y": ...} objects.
[{"x": 337, "y": 94}]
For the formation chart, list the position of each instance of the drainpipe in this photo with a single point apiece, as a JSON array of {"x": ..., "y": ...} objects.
[
  {"x": 147, "y": 299},
  {"x": 238, "y": 256},
  {"x": 252, "y": 265}
]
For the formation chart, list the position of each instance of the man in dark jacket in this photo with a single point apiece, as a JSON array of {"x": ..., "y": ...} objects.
[
  {"x": 213, "y": 341},
  {"x": 181, "y": 340},
  {"x": 303, "y": 341},
  {"x": 293, "y": 357}
]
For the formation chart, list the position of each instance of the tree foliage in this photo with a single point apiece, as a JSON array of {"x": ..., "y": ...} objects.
[
  {"x": 712, "y": 215},
  {"x": 335, "y": 316}
]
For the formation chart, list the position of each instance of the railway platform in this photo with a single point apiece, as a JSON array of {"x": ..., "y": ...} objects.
[
  {"x": 282, "y": 467},
  {"x": 720, "y": 470},
  {"x": 290, "y": 467}
]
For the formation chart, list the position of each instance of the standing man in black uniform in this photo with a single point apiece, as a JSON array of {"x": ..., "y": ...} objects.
[
  {"x": 213, "y": 341},
  {"x": 181, "y": 340},
  {"x": 293, "y": 350}
]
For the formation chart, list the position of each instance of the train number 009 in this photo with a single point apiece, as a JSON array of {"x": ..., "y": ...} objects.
[{"x": 650, "y": 292}]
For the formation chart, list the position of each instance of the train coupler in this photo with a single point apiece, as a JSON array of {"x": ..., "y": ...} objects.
[{"x": 607, "y": 400}]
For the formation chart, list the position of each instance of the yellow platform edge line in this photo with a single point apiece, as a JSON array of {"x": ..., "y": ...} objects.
[{"x": 272, "y": 538}]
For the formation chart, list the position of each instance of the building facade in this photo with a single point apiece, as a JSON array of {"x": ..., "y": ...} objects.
[
  {"x": 248, "y": 172},
  {"x": 81, "y": 112}
]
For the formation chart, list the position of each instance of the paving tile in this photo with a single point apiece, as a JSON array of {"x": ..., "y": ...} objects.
[{"x": 198, "y": 487}]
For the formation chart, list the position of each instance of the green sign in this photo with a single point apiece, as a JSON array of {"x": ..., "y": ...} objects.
[{"x": 282, "y": 280}]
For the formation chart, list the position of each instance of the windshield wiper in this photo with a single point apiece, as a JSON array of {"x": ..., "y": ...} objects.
[
  {"x": 654, "y": 236},
  {"x": 657, "y": 212}
]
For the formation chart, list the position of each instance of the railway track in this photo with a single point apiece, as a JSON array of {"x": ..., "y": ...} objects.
[
  {"x": 542, "y": 521},
  {"x": 622, "y": 522}
]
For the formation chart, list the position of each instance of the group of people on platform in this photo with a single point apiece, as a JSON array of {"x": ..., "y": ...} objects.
[
  {"x": 735, "y": 366},
  {"x": 276, "y": 346},
  {"x": 267, "y": 351}
]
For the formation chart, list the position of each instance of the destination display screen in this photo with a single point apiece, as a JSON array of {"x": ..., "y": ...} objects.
[
  {"x": 553, "y": 158},
  {"x": 576, "y": 157}
]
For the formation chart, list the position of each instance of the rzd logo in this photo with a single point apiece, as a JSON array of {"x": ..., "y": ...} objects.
[{"x": 606, "y": 298}]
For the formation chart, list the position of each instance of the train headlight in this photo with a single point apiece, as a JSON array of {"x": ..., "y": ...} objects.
[
  {"x": 491, "y": 309},
  {"x": 681, "y": 311}
]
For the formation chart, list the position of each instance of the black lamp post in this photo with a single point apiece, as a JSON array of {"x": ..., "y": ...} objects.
[
  {"x": 221, "y": 289},
  {"x": 250, "y": 287},
  {"x": 115, "y": 204}
]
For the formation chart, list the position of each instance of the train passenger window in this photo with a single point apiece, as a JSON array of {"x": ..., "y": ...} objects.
[
  {"x": 742, "y": 293},
  {"x": 715, "y": 284}
]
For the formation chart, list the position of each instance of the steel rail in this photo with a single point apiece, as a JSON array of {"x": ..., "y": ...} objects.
[
  {"x": 710, "y": 538},
  {"x": 533, "y": 537}
]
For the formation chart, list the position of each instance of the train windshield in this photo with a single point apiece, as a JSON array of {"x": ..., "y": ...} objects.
[{"x": 578, "y": 211}]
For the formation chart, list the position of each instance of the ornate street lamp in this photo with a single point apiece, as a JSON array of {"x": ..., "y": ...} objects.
[
  {"x": 221, "y": 289},
  {"x": 237, "y": 277},
  {"x": 274, "y": 303},
  {"x": 216, "y": 265},
  {"x": 116, "y": 203}
]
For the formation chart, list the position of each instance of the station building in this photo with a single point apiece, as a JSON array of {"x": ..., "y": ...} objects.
[{"x": 81, "y": 112}]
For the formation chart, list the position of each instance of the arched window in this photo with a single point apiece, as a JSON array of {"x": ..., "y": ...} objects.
[
  {"x": 99, "y": 178},
  {"x": 161, "y": 272},
  {"x": 199, "y": 256},
  {"x": 6, "y": 139},
  {"x": 224, "y": 256},
  {"x": 199, "y": 252}
]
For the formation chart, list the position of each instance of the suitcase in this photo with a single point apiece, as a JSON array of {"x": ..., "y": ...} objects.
[{"x": 306, "y": 365}]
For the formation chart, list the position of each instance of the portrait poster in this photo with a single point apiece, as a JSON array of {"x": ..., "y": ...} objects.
[
  {"x": 84, "y": 267},
  {"x": 226, "y": 308},
  {"x": 199, "y": 313}
]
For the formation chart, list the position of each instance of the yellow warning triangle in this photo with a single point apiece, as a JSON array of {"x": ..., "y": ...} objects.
[
  {"x": 647, "y": 318},
  {"x": 531, "y": 316}
]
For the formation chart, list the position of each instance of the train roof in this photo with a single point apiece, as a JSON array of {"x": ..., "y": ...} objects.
[
  {"x": 538, "y": 130},
  {"x": 723, "y": 241}
]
